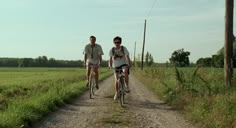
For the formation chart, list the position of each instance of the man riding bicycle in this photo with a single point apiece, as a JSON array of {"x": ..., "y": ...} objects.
[
  {"x": 92, "y": 58},
  {"x": 119, "y": 59}
]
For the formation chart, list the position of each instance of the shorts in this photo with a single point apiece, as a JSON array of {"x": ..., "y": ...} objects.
[
  {"x": 121, "y": 67},
  {"x": 92, "y": 65}
]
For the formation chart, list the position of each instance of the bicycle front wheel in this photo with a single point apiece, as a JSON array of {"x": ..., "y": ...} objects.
[
  {"x": 121, "y": 93},
  {"x": 91, "y": 86}
]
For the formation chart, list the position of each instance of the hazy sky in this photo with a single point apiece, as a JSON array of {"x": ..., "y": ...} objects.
[{"x": 61, "y": 28}]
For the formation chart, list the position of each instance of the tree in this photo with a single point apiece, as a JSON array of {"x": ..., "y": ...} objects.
[
  {"x": 147, "y": 58},
  {"x": 180, "y": 58},
  {"x": 205, "y": 62},
  {"x": 52, "y": 62},
  {"x": 218, "y": 61},
  {"x": 41, "y": 61},
  {"x": 151, "y": 60},
  {"x": 27, "y": 62},
  {"x": 44, "y": 61}
]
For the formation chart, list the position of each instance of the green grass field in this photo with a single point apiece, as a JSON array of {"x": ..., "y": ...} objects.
[
  {"x": 28, "y": 94},
  {"x": 199, "y": 93}
]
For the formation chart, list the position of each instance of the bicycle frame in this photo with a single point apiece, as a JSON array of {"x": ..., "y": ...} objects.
[{"x": 121, "y": 86}]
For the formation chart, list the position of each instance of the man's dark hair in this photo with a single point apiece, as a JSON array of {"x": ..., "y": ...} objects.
[
  {"x": 92, "y": 37},
  {"x": 118, "y": 38}
]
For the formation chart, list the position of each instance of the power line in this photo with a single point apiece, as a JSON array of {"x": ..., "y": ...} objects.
[{"x": 154, "y": 2}]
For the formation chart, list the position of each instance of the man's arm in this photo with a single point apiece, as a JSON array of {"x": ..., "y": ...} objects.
[
  {"x": 127, "y": 56},
  {"x": 100, "y": 55},
  {"x": 110, "y": 62},
  {"x": 128, "y": 59},
  {"x": 85, "y": 55},
  {"x": 100, "y": 58},
  {"x": 85, "y": 59}
]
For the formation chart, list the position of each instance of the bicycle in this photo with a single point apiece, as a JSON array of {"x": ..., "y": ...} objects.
[
  {"x": 121, "y": 86},
  {"x": 92, "y": 82}
]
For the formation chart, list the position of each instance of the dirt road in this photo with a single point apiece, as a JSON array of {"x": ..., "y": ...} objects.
[{"x": 143, "y": 110}]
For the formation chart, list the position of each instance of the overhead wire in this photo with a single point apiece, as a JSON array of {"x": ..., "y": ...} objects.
[{"x": 153, "y": 4}]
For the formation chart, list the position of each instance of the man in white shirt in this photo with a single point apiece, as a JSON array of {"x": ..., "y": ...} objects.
[
  {"x": 92, "y": 57},
  {"x": 119, "y": 59}
]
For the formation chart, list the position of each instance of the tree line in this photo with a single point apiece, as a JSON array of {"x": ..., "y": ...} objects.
[
  {"x": 179, "y": 58},
  {"x": 148, "y": 60},
  {"x": 217, "y": 60},
  {"x": 41, "y": 61}
]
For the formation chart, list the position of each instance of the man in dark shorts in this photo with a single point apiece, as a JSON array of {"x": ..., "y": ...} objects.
[{"x": 119, "y": 59}]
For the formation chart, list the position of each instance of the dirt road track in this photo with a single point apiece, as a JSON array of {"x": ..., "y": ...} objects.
[{"x": 143, "y": 110}]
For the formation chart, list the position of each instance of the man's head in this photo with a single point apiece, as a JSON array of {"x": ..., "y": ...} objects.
[
  {"x": 117, "y": 41},
  {"x": 92, "y": 39}
]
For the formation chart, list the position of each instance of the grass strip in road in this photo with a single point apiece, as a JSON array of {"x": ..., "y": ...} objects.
[{"x": 115, "y": 115}]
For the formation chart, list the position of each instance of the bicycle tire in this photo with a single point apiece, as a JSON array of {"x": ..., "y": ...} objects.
[
  {"x": 91, "y": 86},
  {"x": 121, "y": 93}
]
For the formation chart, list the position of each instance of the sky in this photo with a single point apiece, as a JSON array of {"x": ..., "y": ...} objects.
[{"x": 61, "y": 28}]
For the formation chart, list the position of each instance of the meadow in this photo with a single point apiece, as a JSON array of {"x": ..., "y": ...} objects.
[
  {"x": 199, "y": 93},
  {"x": 29, "y": 94}
]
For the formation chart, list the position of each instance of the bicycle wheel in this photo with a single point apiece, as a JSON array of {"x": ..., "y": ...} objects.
[
  {"x": 121, "y": 93},
  {"x": 91, "y": 86}
]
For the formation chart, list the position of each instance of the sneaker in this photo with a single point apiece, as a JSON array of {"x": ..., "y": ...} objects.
[
  {"x": 87, "y": 84},
  {"x": 127, "y": 89},
  {"x": 97, "y": 87},
  {"x": 115, "y": 97}
]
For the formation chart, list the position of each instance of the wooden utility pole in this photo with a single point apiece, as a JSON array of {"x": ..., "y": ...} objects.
[
  {"x": 143, "y": 42},
  {"x": 228, "y": 46},
  {"x": 134, "y": 53}
]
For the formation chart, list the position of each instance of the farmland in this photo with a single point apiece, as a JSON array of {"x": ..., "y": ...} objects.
[{"x": 28, "y": 94}]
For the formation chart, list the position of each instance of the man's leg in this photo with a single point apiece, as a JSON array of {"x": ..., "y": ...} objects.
[
  {"x": 116, "y": 82},
  {"x": 96, "y": 77},
  {"x": 88, "y": 74},
  {"x": 116, "y": 85},
  {"x": 126, "y": 79}
]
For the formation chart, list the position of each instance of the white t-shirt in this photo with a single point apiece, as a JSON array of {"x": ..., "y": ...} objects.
[
  {"x": 93, "y": 53},
  {"x": 119, "y": 58}
]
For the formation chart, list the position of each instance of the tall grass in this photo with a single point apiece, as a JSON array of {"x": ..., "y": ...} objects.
[
  {"x": 199, "y": 92},
  {"x": 30, "y": 94}
]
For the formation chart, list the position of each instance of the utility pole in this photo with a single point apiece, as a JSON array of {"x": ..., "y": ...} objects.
[
  {"x": 228, "y": 46},
  {"x": 143, "y": 43},
  {"x": 134, "y": 53}
]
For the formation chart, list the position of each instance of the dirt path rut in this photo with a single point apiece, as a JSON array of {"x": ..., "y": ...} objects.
[{"x": 143, "y": 110}]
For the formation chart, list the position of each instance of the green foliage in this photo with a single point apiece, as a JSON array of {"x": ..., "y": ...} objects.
[
  {"x": 180, "y": 58},
  {"x": 199, "y": 92},
  {"x": 149, "y": 61},
  {"x": 205, "y": 62}
]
